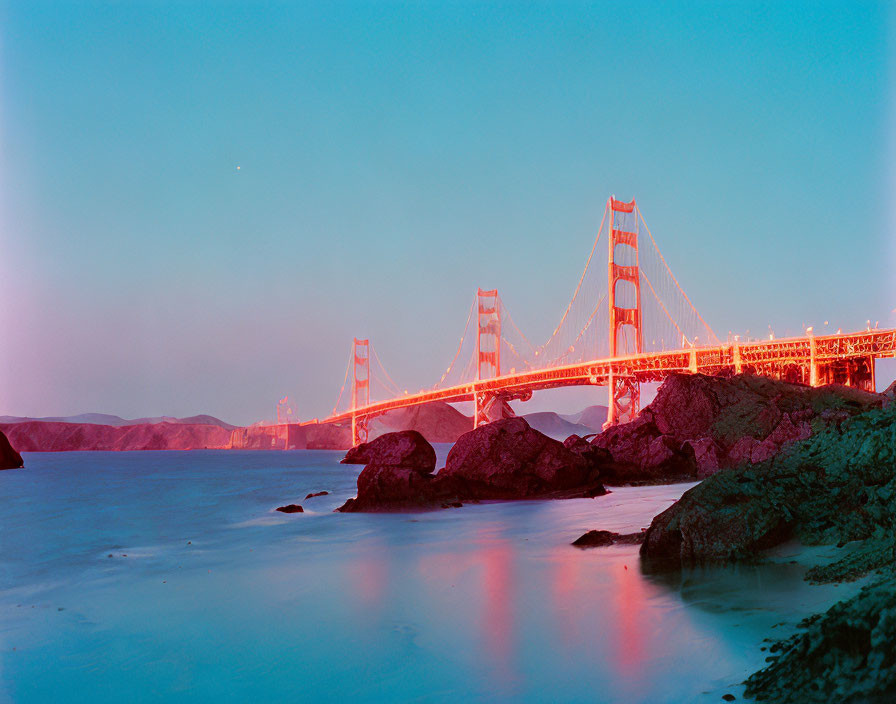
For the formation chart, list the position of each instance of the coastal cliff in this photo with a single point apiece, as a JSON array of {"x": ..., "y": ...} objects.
[{"x": 40, "y": 436}]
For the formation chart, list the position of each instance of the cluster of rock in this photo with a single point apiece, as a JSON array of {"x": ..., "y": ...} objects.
[
  {"x": 9, "y": 458},
  {"x": 835, "y": 487},
  {"x": 503, "y": 460},
  {"x": 700, "y": 424}
]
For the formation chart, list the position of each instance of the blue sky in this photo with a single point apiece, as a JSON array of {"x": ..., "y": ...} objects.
[{"x": 393, "y": 157}]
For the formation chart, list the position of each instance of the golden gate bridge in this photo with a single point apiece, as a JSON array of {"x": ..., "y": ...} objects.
[{"x": 629, "y": 322}]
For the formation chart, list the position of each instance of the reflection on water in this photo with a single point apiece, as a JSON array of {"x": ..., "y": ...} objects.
[{"x": 221, "y": 600}]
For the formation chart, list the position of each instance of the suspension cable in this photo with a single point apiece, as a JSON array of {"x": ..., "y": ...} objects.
[
  {"x": 581, "y": 280},
  {"x": 663, "y": 259},
  {"x": 662, "y": 305},
  {"x": 383, "y": 369},
  {"x": 460, "y": 346},
  {"x": 344, "y": 380},
  {"x": 518, "y": 331}
]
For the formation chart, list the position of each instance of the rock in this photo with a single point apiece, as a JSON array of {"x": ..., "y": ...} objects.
[
  {"x": 503, "y": 460},
  {"x": 700, "y": 424},
  {"x": 706, "y": 456},
  {"x": 406, "y": 448},
  {"x": 890, "y": 392},
  {"x": 597, "y": 457},
  {"x": 291, "y": 508},
  {"x": 9, "y": 458},
  {"x": 507, "y": 459},
  {"x": 596, "y": 538},
  {"x": 398, "y": 474},
  {"x": 319, "y": 493},
  {"x": 844, "y": 655},
  {"x": 837, "y": 486},
  {"x": 600, "y": 538}
]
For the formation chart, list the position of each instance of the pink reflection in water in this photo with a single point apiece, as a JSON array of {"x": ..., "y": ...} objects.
[
  {"x": 368, "y": 576},
  {"x": 566, "y": 565},
  {"x": 630, "y": 625}
]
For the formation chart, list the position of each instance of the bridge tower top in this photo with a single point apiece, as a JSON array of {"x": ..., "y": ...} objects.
[
  {"x": 488, "y": 334},
  {"x": 624, "y": 296}
]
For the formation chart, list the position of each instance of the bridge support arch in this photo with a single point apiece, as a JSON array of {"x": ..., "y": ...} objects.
[{"x": 626, "y": 335}]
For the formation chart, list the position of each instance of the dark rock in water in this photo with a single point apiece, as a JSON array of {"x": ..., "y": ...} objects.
[
  {"x": 600, "y": 538},
  {"x": 504, "y": 460},
  {"x": 847, "y": 654},
  {"x": 319, "y": 493},
  {"x": 406, "y": 448},
  {"x": 398, "y": 474},
  {"x": 835, "y": 487},
  {"x": 291, "y": 508},
  {"x": 507, "y": 459},
  {"x": 700, "y": 424},
  {"x": 596, "y": 538},
  {"x": 9, "y": 458}
]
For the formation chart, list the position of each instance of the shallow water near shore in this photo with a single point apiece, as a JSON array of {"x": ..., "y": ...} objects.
[{"x": 168, "y": 576}]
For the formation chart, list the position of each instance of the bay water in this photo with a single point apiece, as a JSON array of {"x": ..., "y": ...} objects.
[{"x": 169, "y": 577}]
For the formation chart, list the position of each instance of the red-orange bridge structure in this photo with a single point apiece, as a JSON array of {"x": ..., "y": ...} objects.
[{"x": 610, "y": 335}]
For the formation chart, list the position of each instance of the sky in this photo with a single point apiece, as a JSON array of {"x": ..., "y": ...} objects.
[{"x": 202, "y": 203}]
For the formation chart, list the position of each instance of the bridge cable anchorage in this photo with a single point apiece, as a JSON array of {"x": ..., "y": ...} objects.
[
  {"x": 662, "y": 305},
  {"x": 344, "y": 381},
  {"x": 713, "y": 337},
  {"x": 459, "y": 347},
  {"x": 581, "y": 279}
]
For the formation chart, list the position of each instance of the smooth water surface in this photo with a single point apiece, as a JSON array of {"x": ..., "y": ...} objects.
[{"x": 167, "y": 576}]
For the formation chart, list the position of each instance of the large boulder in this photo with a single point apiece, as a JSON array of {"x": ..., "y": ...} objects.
[
  {"x": 406, "y": 448},
  {"x": 507, "y": 459},
  {"x": 9, "y": 458},
  {"x": 398, "y": 474},
  {"x": 700, "y": 424}
]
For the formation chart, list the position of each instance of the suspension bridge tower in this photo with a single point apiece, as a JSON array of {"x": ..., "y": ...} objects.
[
  {"x": 360, "y": 388},
  {"x": 624, "y": 296},
  {"x": 488, "y": 348}
]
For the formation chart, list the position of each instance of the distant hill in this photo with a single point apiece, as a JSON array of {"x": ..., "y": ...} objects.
[
  {"x": 49, "y": 436},
  {"x": 592, "y": 417},
  {"x": 118, "y": 421},
  {"x": 555, "y": 426},
  {"x": 436, "y": 421}
]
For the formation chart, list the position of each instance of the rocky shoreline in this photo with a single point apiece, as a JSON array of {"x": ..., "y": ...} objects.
[{"x": 778, "y": 461}]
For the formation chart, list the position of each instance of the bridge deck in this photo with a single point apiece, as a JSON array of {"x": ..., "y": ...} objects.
[{"x": 768, "y": 357}]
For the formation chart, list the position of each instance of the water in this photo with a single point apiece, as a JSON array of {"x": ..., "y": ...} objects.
[{"x": 221, "y": 599}]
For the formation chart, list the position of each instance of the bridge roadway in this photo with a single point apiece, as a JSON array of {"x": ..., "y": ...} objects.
[{"x": 810, "y": 359}]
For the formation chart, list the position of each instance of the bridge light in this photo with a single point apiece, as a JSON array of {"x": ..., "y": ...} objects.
[{"x": 809, "y": 330}]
